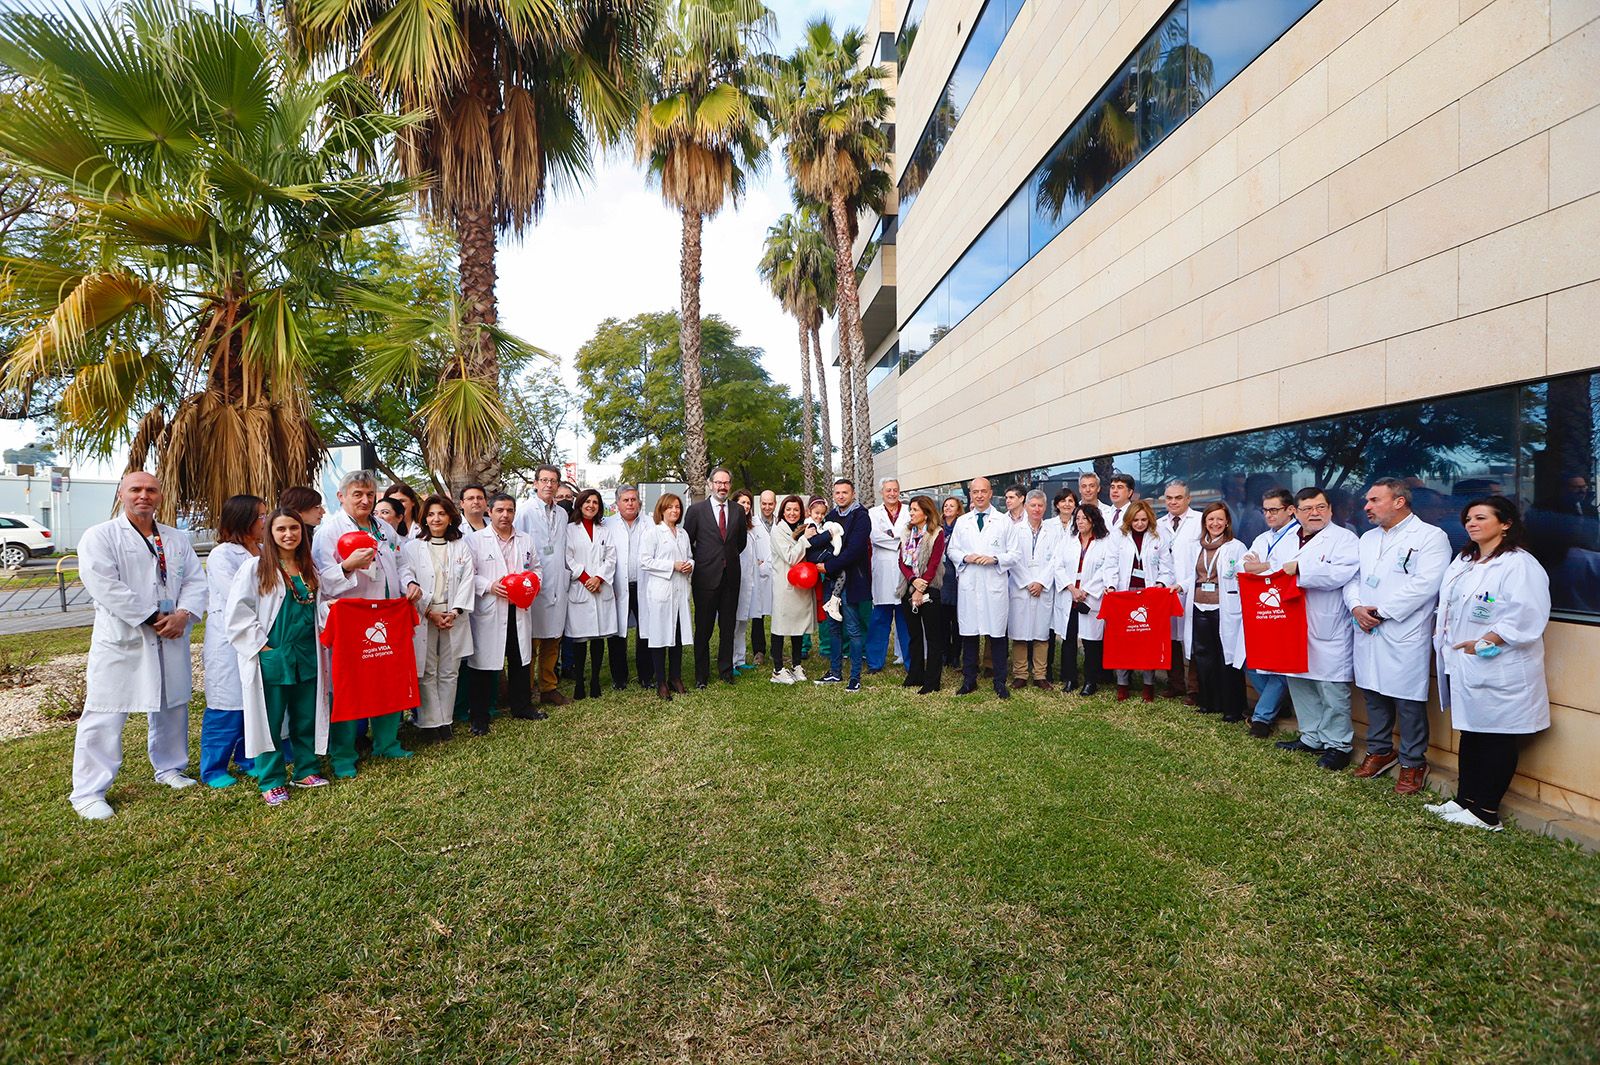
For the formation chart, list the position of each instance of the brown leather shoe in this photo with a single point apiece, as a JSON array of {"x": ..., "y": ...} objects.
[
  {"x": 554, "y": 698},
  {"x": 1376, "y": 765},
  {"x": 1411, "y": 780},
  {"x": 1046, "y": 685}
]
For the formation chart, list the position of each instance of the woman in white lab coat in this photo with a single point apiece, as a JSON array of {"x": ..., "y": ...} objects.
[
  {"x": 272, "y": 618},
  {"x": 665, "y": 563},
  {"x": 442, "y": 563},
  {"x": 794, "y": 610},
  {"x": 1206, "y": 569},
  {"x": 1494, "y": 606},
  {"x": 240, "y": 528},
  {"x": 1081, "y": 571},
  {"x": 591, "y": 599},
  {"x": 1139, "y": 560},
  {"x": 754, "y": 560},
  {"x": 1033, "y": 592}
]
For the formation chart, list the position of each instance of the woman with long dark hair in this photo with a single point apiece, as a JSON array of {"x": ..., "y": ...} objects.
[
  {"x": 412, "y": 503},
  {"x": 1080, "y": 582},
  {"x": 591, "y": 599},
  {"x": 921, "y": 586},
  {"x": 794, "y": 610},
  {"x": 239, "y": 534},
  {"x": 951, "y": 509},
  {"x": 443, "y": 566}
]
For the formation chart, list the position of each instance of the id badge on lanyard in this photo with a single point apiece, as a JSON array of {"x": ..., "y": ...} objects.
[{"x": 158, "y": 551}]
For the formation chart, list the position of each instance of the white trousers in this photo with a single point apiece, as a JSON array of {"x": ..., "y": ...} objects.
[
  {"x": 97, "y": 753},
  {"x": 441, "y": 671},
  {"x": 741, "y": 633}
]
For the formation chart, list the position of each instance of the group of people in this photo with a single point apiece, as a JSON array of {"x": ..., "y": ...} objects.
[{"x": 933, "y": 580}]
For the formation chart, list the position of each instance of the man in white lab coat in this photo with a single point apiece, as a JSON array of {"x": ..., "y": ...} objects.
[
  {"x": 983, "y": 548},
  {"x": 1269, "y": 551},
  {"x": 1324, "y": 558},
  {"x": 502, "y": 633},
  {"x": 545, "y": 521},
  {"x": 1181, "y": 522},
  {"x": 380, "y": 572},
  {"x": 1089, "y": 496},
  {"x": 766, "y": 508},
  {"x": 627, "y": 528},
  {"x": 889, "y": 522},
  {"x": 1403, "y": 562},
  {"x": 148, "y": 591}
]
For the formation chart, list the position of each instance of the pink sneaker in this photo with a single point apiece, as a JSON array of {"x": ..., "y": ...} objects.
[
  {"x": 276, "y": 797},
  {"x": 311, "y": 780}
]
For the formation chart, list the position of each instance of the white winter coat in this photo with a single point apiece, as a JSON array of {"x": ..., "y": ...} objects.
[
  {"x": 1509, "y": 596},
  {"x": 983, "y": 593},
  {"x": 1030, "y": 615},
  {"x": 886, "y": 538},
  {"x": 491, "y": 613},
  {"x": 794, "y": 610},
  {"x": 131, "y": 670},
  {"x": 1407, "y": 563},
  {"x": 1090, "y": 568},
  {"x": 247, "y": 620},
  {"x": 664, "y": 618},
  {"x": 1185, "y": 556},
  {"x": 461, "y": 594},
  {"x": 223, "y": 691},
  {"x": 546, "y": 529},
  {"x": 591, "y": 614}
]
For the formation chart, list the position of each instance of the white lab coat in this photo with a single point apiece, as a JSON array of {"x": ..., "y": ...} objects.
[
  {"x": 131, "y": 670},
  {"x": 1509, "y": 596},
  {"x": 664, "y": 618},
  {"x": 1029, "y": 617},
  {"x": 1407, "y": 563},
  {"x": 546, "y": 529},
  {"x": 1188, "y": 529},
  {"x": 1152, "y": 557},
  {"x": 491, "y": 613},
  {"x": 767, "y": 571},
  {"x": 886, "y": 538},
  {"x": 983, "y": 593},
  {"x": 591, "y": 614},
  {"x": 627, "y": 541},
  {"x": 1277, "y": 546},
  {"x": 223, "y": 691},
  {"x": 461, "y": 594},
  {"x": 247, "y": 621},
  {"x": 392, "y": 574},
  {"x": 1329, "y": 561},
  {"x": 1075, "y": 566},
  {"x": 1185, "y": 556},
  {"x": 755, "y": 571}
]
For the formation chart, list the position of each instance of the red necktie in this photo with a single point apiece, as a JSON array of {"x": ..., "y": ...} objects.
[{"x": 722, "y": 519}]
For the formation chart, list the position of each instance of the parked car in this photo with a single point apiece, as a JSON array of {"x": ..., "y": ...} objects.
[{"x": 22, "y": 538}]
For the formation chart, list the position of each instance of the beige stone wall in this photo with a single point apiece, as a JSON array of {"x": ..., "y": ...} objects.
[{"x": 1400, "y": 199}]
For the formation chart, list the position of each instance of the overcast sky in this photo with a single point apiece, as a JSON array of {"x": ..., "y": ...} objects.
[{"x": 610, "y": 250}]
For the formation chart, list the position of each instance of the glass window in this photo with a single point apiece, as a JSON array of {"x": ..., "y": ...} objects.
[
  {"x": 1227, "y": 36},
  {"x": 1166, "y": 94},
  {"x": 1016, "y": 220},
  {"x": 982, "y": 270},
  {"x": 1556, "y": 481},
  {"x": 886, "y": 438},
  {"x": 884, "y": 368},
  {"x": 908, "y": 30}
]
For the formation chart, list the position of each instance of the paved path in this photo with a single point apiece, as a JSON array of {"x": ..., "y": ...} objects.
[{"x": 71, "y": 618}]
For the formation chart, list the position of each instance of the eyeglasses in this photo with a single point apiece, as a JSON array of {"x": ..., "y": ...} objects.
[
  {"x": 1273, "y": 510},
  {"x": 1315, "y": 508}
]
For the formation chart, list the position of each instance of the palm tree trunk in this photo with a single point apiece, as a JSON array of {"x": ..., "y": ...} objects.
[
  {"x": 847, "y": 424},
  {"x": 477, "y": 272},
  {"x": 853, "y": 346},
  {"x": 808, "y": 443},
  {"x": 827, "y": 419},
  {"x": 694, "y": 414}
]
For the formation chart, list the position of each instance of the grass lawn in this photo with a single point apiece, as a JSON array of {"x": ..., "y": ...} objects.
[
  {"x": 50, "y": 643},
  {"x": 792, "y": 873}
]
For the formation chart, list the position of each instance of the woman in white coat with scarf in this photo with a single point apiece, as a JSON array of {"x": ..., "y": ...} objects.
[
  {"x": 272, "y": 618},
  {"x": 591, "y": 599},
  {"x": 1206, "y": 568},
  {"x": 442, "y": 562},
  {"x": 755, "y": 562},
  {"x": 1139, "y": 560},
  {"x": 665, "y": 563},
  {"x": 1033, "y": 593},
  {"x": 794, "y": 610},
  {"x": 1081, "y": 571},
  {"x": 1494, "y": 606},
  {"x": 240, "y": 529}
]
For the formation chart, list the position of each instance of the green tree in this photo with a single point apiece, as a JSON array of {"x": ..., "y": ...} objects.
[
  {"x": 209, "y": 191},
  {"x": 517, "y": 93},
  {"x": 632, "y": 398},
  {"x": 699, "y": 131},
  {"x": 797, "y": 265}
]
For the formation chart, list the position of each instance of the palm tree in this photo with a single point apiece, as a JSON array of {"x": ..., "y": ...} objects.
[
  {"x": 831, "y": 112},
  {"x": 699, "y": 130},
  {"x": 516, "y": 93},
  {"x": 210, "y": 191},
  {"x": 798, "y": 266}
]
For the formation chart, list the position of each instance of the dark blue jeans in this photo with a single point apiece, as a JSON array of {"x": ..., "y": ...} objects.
[{"x": 855, "y": 633}]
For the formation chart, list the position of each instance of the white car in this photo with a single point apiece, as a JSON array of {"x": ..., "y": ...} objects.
[{"x": 22, "y": 538}]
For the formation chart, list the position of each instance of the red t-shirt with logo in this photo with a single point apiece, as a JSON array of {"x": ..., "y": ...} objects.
[
  {"x": 374, "y": 662},
  {"x": 1139, "y": 627},
  {"x": 1274, "y": 623}
]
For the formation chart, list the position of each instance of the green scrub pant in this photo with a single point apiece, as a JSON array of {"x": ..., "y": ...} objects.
[
  {"x": 385, "y": 731},
  {"x": 297, "y": 702}
]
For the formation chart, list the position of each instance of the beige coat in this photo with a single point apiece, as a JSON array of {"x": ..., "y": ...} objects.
[{"x": 794, "y": 610}]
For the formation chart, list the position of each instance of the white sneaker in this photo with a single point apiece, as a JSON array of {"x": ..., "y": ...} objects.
[
  {"x": 175, "y": 779},
  {"x": 798, "y": 674},
  {"x": 783, "y": 676},
  {"x": 1442, "y": 809},
  {"x": 1471, "y": 820},
  {"x": 831, "y": 607},
  {"x": 98, "y": 810}
]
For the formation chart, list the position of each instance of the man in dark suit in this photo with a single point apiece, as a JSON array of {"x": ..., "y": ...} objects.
[{"x": 717, "y": 533}]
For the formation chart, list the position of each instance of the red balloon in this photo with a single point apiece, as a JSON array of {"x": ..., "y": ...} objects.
[
  {"x": 521, "y": 588},
  {"x": 351, "y": 542},
  {"x": 804, "y": 575}
]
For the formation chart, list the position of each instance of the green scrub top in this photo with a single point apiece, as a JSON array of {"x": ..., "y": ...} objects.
[{"x": 291, "y": 653}]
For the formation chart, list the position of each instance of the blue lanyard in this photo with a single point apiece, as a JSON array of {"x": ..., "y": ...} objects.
[{"x": 1281, "y": 534}]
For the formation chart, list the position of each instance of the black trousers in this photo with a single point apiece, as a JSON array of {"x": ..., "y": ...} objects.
[
  {"x": 580, "y": 657},
  {"x": 1221, "y": 686},
  {"x": 1069, "y": 652},
  {"x": 667, "y": 662},
  {"x": 927, "y": 641},
  {"x": 969, "y": 661},
  {"x": 1488, "y": 762},
  {"x": 796, "y": 646},
  {"x": 483, "y": 685},
  {"x": 952, "y": 649},
  {"x": 617, "y": 648},
  {"x": 717, "y": 607},
  {"x": 758, "y": 635}
]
